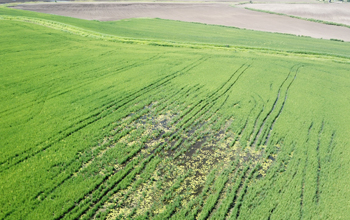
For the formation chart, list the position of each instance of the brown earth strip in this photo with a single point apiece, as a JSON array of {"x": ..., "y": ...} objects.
[{"x": 334, "y": 12}]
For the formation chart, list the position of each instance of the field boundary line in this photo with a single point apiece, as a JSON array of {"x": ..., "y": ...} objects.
[
  {"x": 113, "y": 38},
  {"x": 301, "y": 18}
]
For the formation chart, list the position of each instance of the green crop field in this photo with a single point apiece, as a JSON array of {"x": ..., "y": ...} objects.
[{"x": 159, "y": 119}]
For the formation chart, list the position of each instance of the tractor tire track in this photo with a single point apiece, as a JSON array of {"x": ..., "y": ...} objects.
[
  {"x": 82, "y": 84},
  {"x": 82, "y": 213},
  {"x": 244, "y": 191},
  {"x": 256, "y": 123},
  {"x": 111, "y": 142},
  {"x": 227, "y": 81},
  {"x": 43, "y": 194},
  {"x": 99, "y": 115},
  {"x": 271, "y": 212},
  {"x": 243, "y": 178},
  {"x": 98, "y": 186},
  {"x": 231, "y": 190},
  {"x": 318, "y": 171},
  {"x": 234, "y": 82},
  {"x": 200, "y": 110},
  {"x": 241, "y": 131},
  {"x": 101, "y": 108},
  {"x": 258, "y": 134},
  {"x": 303, "y": 176},
  {"x": 214, "y": 96},
  {"x": 331, "y": 146},
  {"x": 281, "y": 109}
]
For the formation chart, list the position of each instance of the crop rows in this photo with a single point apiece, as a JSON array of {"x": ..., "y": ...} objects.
[{"x": 112, "y": 129}]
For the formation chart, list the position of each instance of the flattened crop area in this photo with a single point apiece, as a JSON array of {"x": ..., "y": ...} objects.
[
  {"x": 98, "y": 126},
  {"x": 218, "y": 14}
]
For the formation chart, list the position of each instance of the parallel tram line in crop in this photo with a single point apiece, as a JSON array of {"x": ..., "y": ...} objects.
[
  {"x": 317, "y": 196},
  {"x": 208, "y": 189},
  {"x": 68, "y": 177},
  {"x": 228, "y": 189},
  {"x": 100, "y": 99},
  {"x": 196, "y": 116},
  {"x": 229, "y": 197},
  {"x": 44, "y": 193},
  {"x": 147, "y": 159},
  {"x": 90, "y": 211},
  {"x": 222, "y": 103},
  {"x": 212, "y": 199},
  {"x": 214, "y": 96},
  {"x": 237, "y": 194},
  {"x": 124, "y": 131},
  {"x": 103, "y": 74},
  {"x": 331, "y": 146},
  {"x": 100, "y": 108},
  {"x": 304, "y": 174},
  {"x": 272, "y": 181},
  {"x": 256, "y": 123},
  {"x": 257, "y": 136},
  {"x": 112, "y": 187},
  {"x": 110, "y": 108},
  {"x": 271, "y": 212},
  {"x": 238, "y": 204},
  {"x": 281, "y": 108},
  {"x": 240, "y": 186},
  {"x": 104, "y": 147},
  {"x": 226, "y": 82},
  {"x": 126, "y": 128},
  {"x": 240, "y": 132},
  {"x": 234, "y": 82}
]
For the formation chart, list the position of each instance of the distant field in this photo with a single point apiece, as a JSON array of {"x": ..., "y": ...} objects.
[
  {"x": 334, "y": 12},
  {"x": 158, "y": 119},
  {"x": 207, "y": 13}
]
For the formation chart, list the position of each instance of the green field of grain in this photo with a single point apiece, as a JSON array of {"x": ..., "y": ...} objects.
[{"x": 159, "y": 119}]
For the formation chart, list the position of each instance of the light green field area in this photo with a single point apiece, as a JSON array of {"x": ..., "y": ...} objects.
[{"x": 156, "y": 119}]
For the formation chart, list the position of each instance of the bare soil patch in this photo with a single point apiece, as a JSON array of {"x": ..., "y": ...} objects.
[
  {"x": 334, "y": 12},
  {"x": 210, "y": 13}
]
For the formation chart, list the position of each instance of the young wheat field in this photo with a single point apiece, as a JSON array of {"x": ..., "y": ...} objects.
[{"x": 160, "y": 119}]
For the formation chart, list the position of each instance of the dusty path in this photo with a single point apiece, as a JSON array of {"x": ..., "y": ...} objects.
[
  {"x": 213, "y": 13},
  {"x": 334, "y": 12}
]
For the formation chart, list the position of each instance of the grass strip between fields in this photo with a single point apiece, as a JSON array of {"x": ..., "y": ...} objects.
[{"x": 113, "y": 38}]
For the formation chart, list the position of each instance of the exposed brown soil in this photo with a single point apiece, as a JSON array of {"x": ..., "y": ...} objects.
[
  {"x": 334, "y": 12},
  {"x": 209, "y": 13}
]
